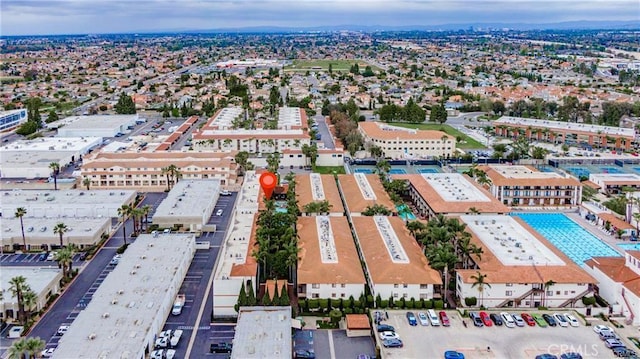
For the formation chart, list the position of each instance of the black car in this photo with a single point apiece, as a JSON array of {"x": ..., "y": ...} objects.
[
  {"x": 304, "y": 354},
  {"x": 549, "y": 319},
  {"x": 495, "y": 318},
  {"x": 221, "y": 348},
  {"x": 571, "y": 355},
  {"x": 385, "y": 328},
  {"x": 622, "y": 352},
  {"x": 477, "y": 321}
]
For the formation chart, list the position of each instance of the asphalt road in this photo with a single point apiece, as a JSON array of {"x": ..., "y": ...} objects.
[
  {"x": 78, "y": 294},
  {"x": 195, "y": 285},
  {"x": 323, "y": 130}
]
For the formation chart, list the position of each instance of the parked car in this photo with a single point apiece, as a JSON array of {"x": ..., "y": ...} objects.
[
  {"x": 433, "y": 318},
  {"x": 221, "y": 348},
  {"x": 604, "y": 335},
  {"x": 385, "y": 328},
  {"x": 497, "y": 320},
  {"x": 546, "y": 356},
  {"x": 573, "y": 321},
  {"x": 518, "y": 319},
  {"x": 602, "y": 328},
  {"x": 571, "y": 355},
  {"x": 304, "y": 354},
  {"x": 561, "y": 320},
  {"x": 549, "y": 319},
  {"x": 508, "y": 320},
  {"x": 422, "y": 318},
  {"x": 412, "y": 319},
  {"x": 51, "y": 256},
  {"x": 444, "y": 319},
  {"x": 63, "y": 329},
  {"x": 485, "y": 319},
  {"x": 47, "y": 353},
  {"x": 392, "y": 343},
  {"x": 225, "y": 193},
  {"x": 219, "y": 212},
  {"x": 622, "y": 352},
  {"x": 475, "y": 318},
  {"x": 452, "y": 354},
  {"x": 116, "y": 259},
  {"x": 539, "y": 320},
  {"x": 389, "y": 335},
  {"x": 613, "y": 343},
  {"x": 528, "y": 319}
]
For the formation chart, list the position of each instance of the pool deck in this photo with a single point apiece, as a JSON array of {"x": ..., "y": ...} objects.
[{"x": 612, "y": 241}]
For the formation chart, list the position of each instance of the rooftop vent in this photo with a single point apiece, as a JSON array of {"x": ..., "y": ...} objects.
[
  {"x": 105, "y": 315},
  {"x": 92, "y": 336},
  {"x": 114, "y": 301},
  {"x": 121, "y": 291},
  {"x": 132, "y": 272}
]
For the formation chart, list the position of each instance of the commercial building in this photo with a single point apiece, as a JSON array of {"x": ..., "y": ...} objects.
[
  {"x": 143, "y": 171},
  {"x": 38, "y": 232},
  {"x": 130, "y": 307},
  {"x": 329, "y": 265},
  {"x": 222, "y": 132},
  {"x": 360, "y": 191},
  {"x": 318, "y": 188},
  {"x": 565, "y": 132},
  {"x": 189, "y": 204},
  {"x": 619, "y": 283},
  {"x": 524, "y": 186},
  {"x": 45, "y": 282},
  {"x": 236, "y": 266},
  {"x": 394, "y": 263},
  {"x": 521, "y": 267},
  {"x": 10, "y": 120},
  {"x": 613, "y": 183},
  {"x": 263, "y": 332},
  {"x": 400, "y": 142},
  {"x": 31, "y": 158},
  {"x": 96, "y": 126},
  {"x": 449, "y": 194}
]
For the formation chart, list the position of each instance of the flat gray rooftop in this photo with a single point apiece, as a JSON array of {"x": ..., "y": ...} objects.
[
  {"x": 189, "y": 198},
  {"x": 130, "y": 307},
  {"x": 454, "y": 187},
  {"x": 569, "y": 126},
  {"x": 37, "y": 278},
  {"x": 42, "y": 228},
  {"x": 263, "y": 332},
  {"x": 95, "y": 122}
]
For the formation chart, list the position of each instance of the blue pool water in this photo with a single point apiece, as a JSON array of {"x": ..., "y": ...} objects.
[
  {"x": 611, "y": 170},
  {"x": 578, "y": 171},
  {"x": 630, "y": 246},
  {"x": 397, "y": 171},
  {"x": 574, "y": 241},
  {"x": 427, "y": 170},
  {"x": 408, "y": 216},
  {"x": 637, "y": 169},
  {"x": 363, "y": 170}
]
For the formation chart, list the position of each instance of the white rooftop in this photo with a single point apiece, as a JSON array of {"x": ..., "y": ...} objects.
[
  {"x": 39, "y": 229},
  {"x": 263, "y": 332},
  {"x": 509, "y": 242},
  {"x": 225, "y": 118},
  {"x": 289, "y": 116},
  {"x": 519, "y": 172},
  {"x": 130, "y": 307},
  {"x": 614, "y": 177},
  {"x": 365, "y": 187},
  {"x": 106, "y": 122},
  {"x": 189, "y": 198},
  {"x": 326, "y": 240},
  {"x": 50, "y": 144},
  {"x": 65, "y": 203},
  {"x": 559, "y": 125},
  {"x": 391, "y": 240},
  {"x": 454, "y": 187},
  {"x": 37, "y": 278}
]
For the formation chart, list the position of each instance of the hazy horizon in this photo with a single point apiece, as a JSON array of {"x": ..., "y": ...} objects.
[{"x": 57, "y": 17}]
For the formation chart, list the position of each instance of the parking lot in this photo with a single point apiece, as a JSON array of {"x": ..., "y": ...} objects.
[
  {"x": 31, "y": 259},
  {"x": 520, "y": 342}
]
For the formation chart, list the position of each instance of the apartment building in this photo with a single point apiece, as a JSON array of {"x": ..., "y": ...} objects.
[
  {"x": 361, "y": 191},
  {"x": 521, "y": 267},
  {"x": 394, "y": 263},
  {"x": 613, "y": 183},
  {"x": 523, "y": 186},
  {"x": 143, "y": 171},
  {"x": 399, "y": 142},
  {"x": 10, "y": 120},
  {"x": 318, "y": 188},
  {"x": 328, "y": 265}
]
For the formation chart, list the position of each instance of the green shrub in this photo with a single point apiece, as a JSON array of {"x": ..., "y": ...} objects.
[
  {"x": 470, "y": 301},
  {"x": 313, "y": 304},
  {"x": 348, "y": 311},
  {"x": 418, "y": 304},
  {"x": 335, "y": 316},
  {"x": 438, "y": 304},
  {"x": 324, "y": 303},
  {"x": 347, "y": 303},
  {"x": 122, "y": 248},
  {"x": 357, "y": 304},
  {"x": 428, "y": 304},
  {"x": 336, "y": 303},
  {"x": 588, "y": 301},
  {"x": 410, "y": 304},
  {"x": 384, "y": 304}
]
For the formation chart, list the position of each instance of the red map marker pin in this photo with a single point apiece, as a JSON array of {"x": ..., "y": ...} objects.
[{"x": 268, "y": 182}]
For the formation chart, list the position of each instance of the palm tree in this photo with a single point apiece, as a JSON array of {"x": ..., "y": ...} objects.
[
  {"x": 124, "y": 211},
  {"x": 60, "y": 229},
  {"x": 20, "y": 212},
  {"x": 479, "y": 281},
  {"x": 165, "y": 172},
  {"x": 29, "y": 299},
  {"x": 34, "y": 346},
  {"x": 636, "y": 216},
  {"x": 87, "y": 182},
  {"x": 146, "y": 209},
  {"x": 18, "y": 349},
  {"x": 55, "y": 168},
  {"x": 18, "y": 286},
  {"x": 64, "y": 257}
]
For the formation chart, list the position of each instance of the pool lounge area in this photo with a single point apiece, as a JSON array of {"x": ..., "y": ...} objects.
[
  {"x": 568, "y": 236},
  {"x": 408, "y": 215}
]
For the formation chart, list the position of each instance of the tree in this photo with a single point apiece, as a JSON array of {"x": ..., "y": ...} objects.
[
  {"x": 87, "y": 182},
  {"x": 124, "y": 211},
  {"x": 146, "y": 209},
  {"x": 438, "y": 114},
  {"x": 60, "y": 229},
  {"x": 30, "y": 299},
  {"x": 251, "y": 297},
  {"x": 284, "y": 296},
  {"x": 18, "y": 286},
  {"x": 273, "y": 162},
  {"x": 64, "y": 257},
  {"x": 33, "y": 111},
  {"x": 18, "y": 349},
  {"x": 242, "y": 298},
  {"x": 125, "y": 105},
  {"x": 241, "y": 159},
  {"x": 266, "y": 298},
  {"x": 55, "y": 168},
  {"x": 376, "y": 210},
  {"x": 20, "y": 212},
  {"x": 311, "y": 152},
  {"x": 33, "y": 346},
  {"x": 53, "y": 116},
  {"x": 480, "y": 283}
]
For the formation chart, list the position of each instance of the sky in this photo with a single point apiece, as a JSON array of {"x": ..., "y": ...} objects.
[{"x": 52, "y": 17}]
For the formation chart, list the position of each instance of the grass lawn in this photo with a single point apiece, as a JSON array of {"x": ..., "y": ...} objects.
[
  {"x": 328, "y": 170},
  {"x": 466, "y": 143},
  {"x": 337, "y": 65}
]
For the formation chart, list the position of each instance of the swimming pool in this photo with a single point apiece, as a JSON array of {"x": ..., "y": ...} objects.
[
  {"x": 568, "y": 236},
  {"x": 397, "y": 171},
  {"x": 427, "y": 170},
  {"x": 637, "y": 169},
  {"x": 363, "y": 170},
  {"x": 611, "y": 170},
  {"x": 630, "y": 246},
  {"x": 578, "y": 171},
  {"x": 407, "y": 216}
]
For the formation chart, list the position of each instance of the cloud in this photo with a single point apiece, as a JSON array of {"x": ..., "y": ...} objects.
[{"x": 98, "y": 16}]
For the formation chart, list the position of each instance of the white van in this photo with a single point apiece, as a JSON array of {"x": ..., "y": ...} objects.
[
  {"x": 433, "y": 317},
  {"x": 15, "y": 332}
]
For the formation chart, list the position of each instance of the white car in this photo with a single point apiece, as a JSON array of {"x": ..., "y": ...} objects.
[
  {"x": 602, "y": 328},
  {"x": 518, "y": 319},
  {"x": 47, "y": 353},
  {"x": 389, "y": 335},
  {"x": 166, "y": 334},
  {"x": 422, "y": 318},
  {"x": 51, "y": 256},
  {"x": 573, "y": 321},
  {"x": 163, "y": 354},
  {"x": 508, "y": 320},
  {"x": 63, "y": 329},
  {"x": 562, "y": 321},
  {"x": 116, "y": 259},
  {"x": 219, "y": 212},
  {"x": 162, "y": 343}
]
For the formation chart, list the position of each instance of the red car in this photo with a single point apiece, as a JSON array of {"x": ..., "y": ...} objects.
[
  {"x": 444, "y": 319},
  {"x": 528, "y": 319},
  {"x": 485, "y": 319}
]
